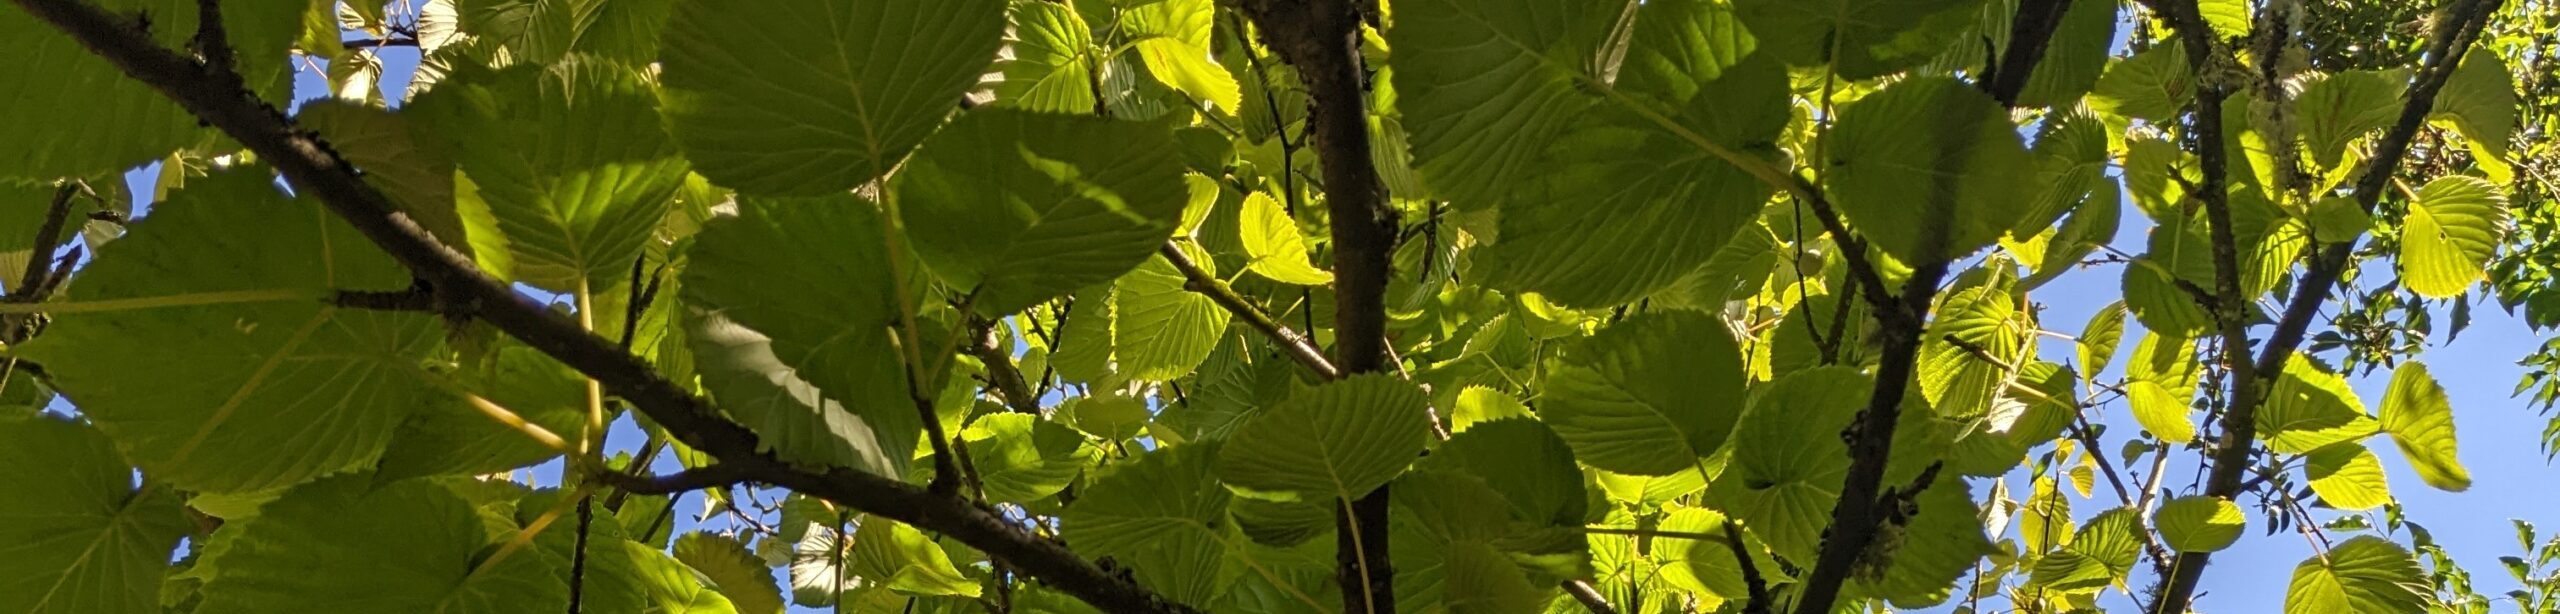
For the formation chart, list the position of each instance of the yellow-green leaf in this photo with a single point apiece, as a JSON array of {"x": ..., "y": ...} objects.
[
  {"x": 2451, "y": 230},
  {"x": 1278, "y": 250},
  {"x": 2420, "y": 420},
  {"x": 2199, "y": 523}
]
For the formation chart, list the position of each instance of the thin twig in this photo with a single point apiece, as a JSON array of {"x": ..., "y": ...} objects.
[
  {"x": 1297, "y": 346},
  {"x": 1590, "y": 597}
]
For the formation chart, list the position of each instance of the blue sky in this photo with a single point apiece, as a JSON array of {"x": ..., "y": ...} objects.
[{"x": 2499, "y": 433}]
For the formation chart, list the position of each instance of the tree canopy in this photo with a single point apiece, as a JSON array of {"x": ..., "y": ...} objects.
[{"x": 1273, "y": 306}]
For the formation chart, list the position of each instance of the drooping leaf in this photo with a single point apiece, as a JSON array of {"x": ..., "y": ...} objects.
[
  {"x": 1524, "y": 461},
  {"x": 1335, "y": 441},
  {"x": 1019, "y": 207},
  {"x": 1278, "y": 249},
  {"x": 1021, "y": 458},
  {"x": 2451, "y": 229},
  {"x": 258, "y": 384},
  {"x": 2345, "y": 106},
  {"x": 2362, "y": 574},
  {"x": 2479, "y": 99},
  {"x": 76, "y": 535},
  {"x": 2420, "y": 419},
  {"x": 1650, "y": 395},
  {"x": 2159, "y": 382},
  {"x": 2348, "y": 476},
  {"x": 1161, "y": 329},
  {"x": 1926, "y": 169},
  {"x": 1171, "y": 38},
  {"x": 2199, "y": 523},
  {"x": 2098, "y": 340},
  {"x": 775, "y": 97}
]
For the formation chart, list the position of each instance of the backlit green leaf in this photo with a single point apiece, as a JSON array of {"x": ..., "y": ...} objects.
[
  {"x": 1023, "y": 207},
  {"x": 2199, "y": 523},
  {"x": 2452, "y": 228},
  {"x": 1927, "y": 169},
  {"x": 1650, "y": 395},
  {"x": 1335, "y": 441},
  {"x": 2366, "y": 574},
  {"x": 76, "y": 535},
  {"x": 2420, "y": 419}
]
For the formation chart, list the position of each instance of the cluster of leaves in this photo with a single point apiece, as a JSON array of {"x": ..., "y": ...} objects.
[{"x": 1691, "y": 305}]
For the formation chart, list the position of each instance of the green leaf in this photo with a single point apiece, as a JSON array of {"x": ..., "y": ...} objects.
[
  {"x": 2160, "y": 380},
  {"x": 1940, "y": 544},
  {"x": 732, "y": 570},
  {"x": 1023, "y": 207},
  {"x": 672, "y": 587},
  {"x": 2420, "y": 419},
  {"x": 543, "y": 31},
  {"x": 2199, "y": 523},
  {"x": 407, "y": 546},
  {"x": 1021, "y": 458},
  {"x": 2348, "y": 476},
  {"x": 1927, "y": 169},
  {"x": 2151, "y": 85},
  {"x": 1164, "y": 515},
  {"x": 770, "y": 98},
  {"x": 808, "y": 362},
  {"x": 1052, "y": 68},
  {"x": 2365, "y": 574},
  {"x": 262, "y": 385},
  {"x": 76, "y": 536},
  {"x": 2310, "y": 408},
  {"x": 1478, "y": 405},
  {"x": 2345, "y": 106},
  {"x": 1960, "y": 383},
  {"x": 891, "y": 554},
  {"x": 2098, "y": 339},
  {"x": 1172, "y": 40},
  {"x": 1334, "y": 441},
  {"x": 2227, "y": 18},
  {"x": 1653, "y": 175},
  {"x": 1861, "y": 39},
  {"x": 1650, "y": 395},
  {"x": 570, "y": 160},
  {"x": 1524, "y": 461},
  {"x": 1161, "y": 329},
  {"x": 2479, "y": 99},
  {"x": 1485, "y": 85},
  {"x": 77, "y": 115},
  {"x": 1705, "y": 566},
  {"x": 1278, "y": 249},
  {"x": 2074, "y": 57},
  {"x": 1789, "y": 461},
  {"x": 2451, "y": 229}
]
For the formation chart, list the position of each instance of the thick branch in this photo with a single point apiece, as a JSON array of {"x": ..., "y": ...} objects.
[
  {"x": 2231, "y": 456},
  {"x": 1322, "y": 38},
  {"x": 716, "y": 475},
  {"x": 312, "y": 166},
  {"x": 1297, "y": 346},
  {"x": 1865, "y": 504}
]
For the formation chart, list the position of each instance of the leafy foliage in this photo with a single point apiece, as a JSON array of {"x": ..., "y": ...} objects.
[{"x": 1065, "y": 306}]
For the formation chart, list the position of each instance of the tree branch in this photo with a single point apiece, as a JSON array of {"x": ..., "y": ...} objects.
[
  {"x": 1590, "y": 597},
  {"x": 318, "y": 172},
  {"x": 1865, "y": 504},
  {"x": 1297, "y": 346},
  {"x": 1322, "y": 38},
  {"x": 31, "y": 286},
  {"x": 2231, "y": 455},
  {"x": 1001, "y": 372}
]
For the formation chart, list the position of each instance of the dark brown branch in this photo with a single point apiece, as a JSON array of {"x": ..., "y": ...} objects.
[
  {"x": 1299, "y": 347},
  {"x": 212, "y": 42},
  {"x": 1322, "y": 39},
  {"x": 31, "y": 286},
  {"x": 1865, "y": 503},
  {"x": 311, "y": 166},
  {"x": 416, "y": 298},
  {"x": 1001, "y": 372},
  {"x": 2231, "y": 455},
  {"x": 1590, "y": 597},
  {"x": 368, "y": 43},
  {"x": 1757, "y": 587},
  {"x": 716, "y": 475}
]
